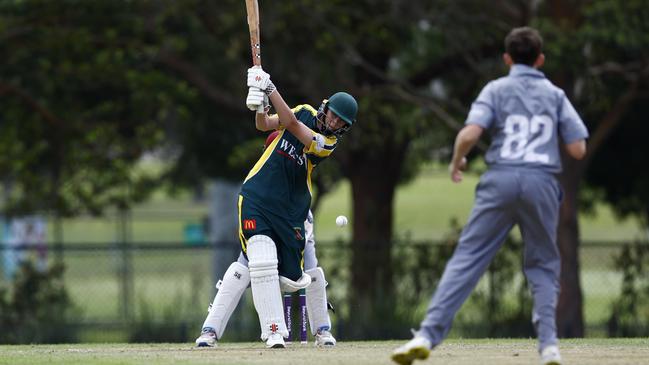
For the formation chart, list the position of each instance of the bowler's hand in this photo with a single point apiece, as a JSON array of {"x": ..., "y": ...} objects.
[{"x": 456, "y": 168}]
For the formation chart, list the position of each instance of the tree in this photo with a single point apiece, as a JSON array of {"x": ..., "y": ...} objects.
[
  {"x": 411, "y": 94},
  {"x": 89, "y": 88},
  {"x": 601, "y": 62},
  {"x": 621, "y": 77},
  {"x": 80, "y": 105}
]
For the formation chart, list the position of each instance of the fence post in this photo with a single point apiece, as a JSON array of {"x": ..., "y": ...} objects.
[
  {"x": 58, "y": 239},
  {"x": 125, "y": 272},
  {"x": 223, "y": 235}
]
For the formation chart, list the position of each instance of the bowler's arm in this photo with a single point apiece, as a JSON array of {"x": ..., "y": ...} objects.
[
  {"x": 464, "y": 142},
  {"x": 577, "y": 149}
]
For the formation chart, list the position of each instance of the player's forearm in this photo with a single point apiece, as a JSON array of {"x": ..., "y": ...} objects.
[
  {"x": 464, "y": 142},
  {"x": 286, "y": 116},
  {"x": 289, "y": 121},
  {"x": 577, "y": 149},
  {"x": 261, "y": 122}
]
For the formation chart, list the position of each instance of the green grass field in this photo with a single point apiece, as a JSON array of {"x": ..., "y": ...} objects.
[
  {"x": 425, "y": 206},
  {"x": 452, "y": 352}
]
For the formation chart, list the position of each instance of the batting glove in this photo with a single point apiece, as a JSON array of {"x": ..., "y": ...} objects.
[
  {"x": 260, "y": 79},
  {"x": 255, "y": 99}
]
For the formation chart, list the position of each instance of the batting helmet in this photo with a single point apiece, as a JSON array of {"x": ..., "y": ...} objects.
[{"x": 344, "y": 105}]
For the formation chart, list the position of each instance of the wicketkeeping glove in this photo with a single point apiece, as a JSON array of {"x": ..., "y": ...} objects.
[
  {"x": 255, "y": 99},
  {"x": 260, "y": 79}
]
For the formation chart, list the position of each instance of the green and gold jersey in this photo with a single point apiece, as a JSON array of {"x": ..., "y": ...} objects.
[{"x": 280, "y": 181}]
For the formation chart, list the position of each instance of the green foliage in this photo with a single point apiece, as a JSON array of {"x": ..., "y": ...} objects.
[
  {"x": 81, "y": 104},
  {"x": 599, "y": 56},
  {"x": 497, "y": 315},
  {"x": 37, "y": 308},
  {"x": 246, "y": 154},
  {"x": 175, "y": 322},
  {"x": 206, "y": 45},
  {"x": 502, "y": 308},
  {"x": 624, "y": 184},
  {"x": 172, "y": 324},
  {"x": 630, "y": 311},
  {"x": 417, "y": 271},
  {"x": 89, "y": 88},
  {"x": 502, "y": 314}
]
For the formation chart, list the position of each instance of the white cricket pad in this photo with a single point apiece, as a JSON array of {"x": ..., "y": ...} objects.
[
  {"x": 289, "y": 286},
  {"x": 230, "y": 289},
  {"x": 316, "y": 301},
  {"x": 264, "y": 280}
]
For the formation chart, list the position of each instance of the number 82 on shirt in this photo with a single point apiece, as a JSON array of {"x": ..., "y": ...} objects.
[{"x": 520, "y": 141}]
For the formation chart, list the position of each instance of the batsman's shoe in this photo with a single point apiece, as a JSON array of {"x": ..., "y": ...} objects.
[
  {"x": 416, "y": 349},
  {"x": 324, "y": 338},
  {"x": 550, "y": 356},
  {"x": 275, "y": 341},
  {"x": 207, "y": 338}
]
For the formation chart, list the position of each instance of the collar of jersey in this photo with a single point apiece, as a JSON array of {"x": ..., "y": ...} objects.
[{"x": 524, "y": 70}]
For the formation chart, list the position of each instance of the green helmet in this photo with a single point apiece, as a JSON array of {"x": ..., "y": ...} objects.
[{"x": 344, "y": 105}]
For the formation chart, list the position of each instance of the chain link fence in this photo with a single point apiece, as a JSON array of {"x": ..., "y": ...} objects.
[{"x": 160, "y": 292}]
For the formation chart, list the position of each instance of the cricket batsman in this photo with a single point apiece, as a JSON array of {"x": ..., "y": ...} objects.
[
  {"x": 276, "y": 196},
  {"x": 237, "y": 278}
]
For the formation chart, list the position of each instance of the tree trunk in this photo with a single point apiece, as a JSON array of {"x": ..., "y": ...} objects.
[
  {"x": 373, "y": 181},
  {"x": 570, "y": 320},
  {"x": 373, "y": 213}
]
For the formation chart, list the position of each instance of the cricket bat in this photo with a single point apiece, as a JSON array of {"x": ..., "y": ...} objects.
[{"x": 252, "y": 9}]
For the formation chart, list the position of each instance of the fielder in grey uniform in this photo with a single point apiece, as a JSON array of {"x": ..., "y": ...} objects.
[{"x": 525, "y": 115}]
